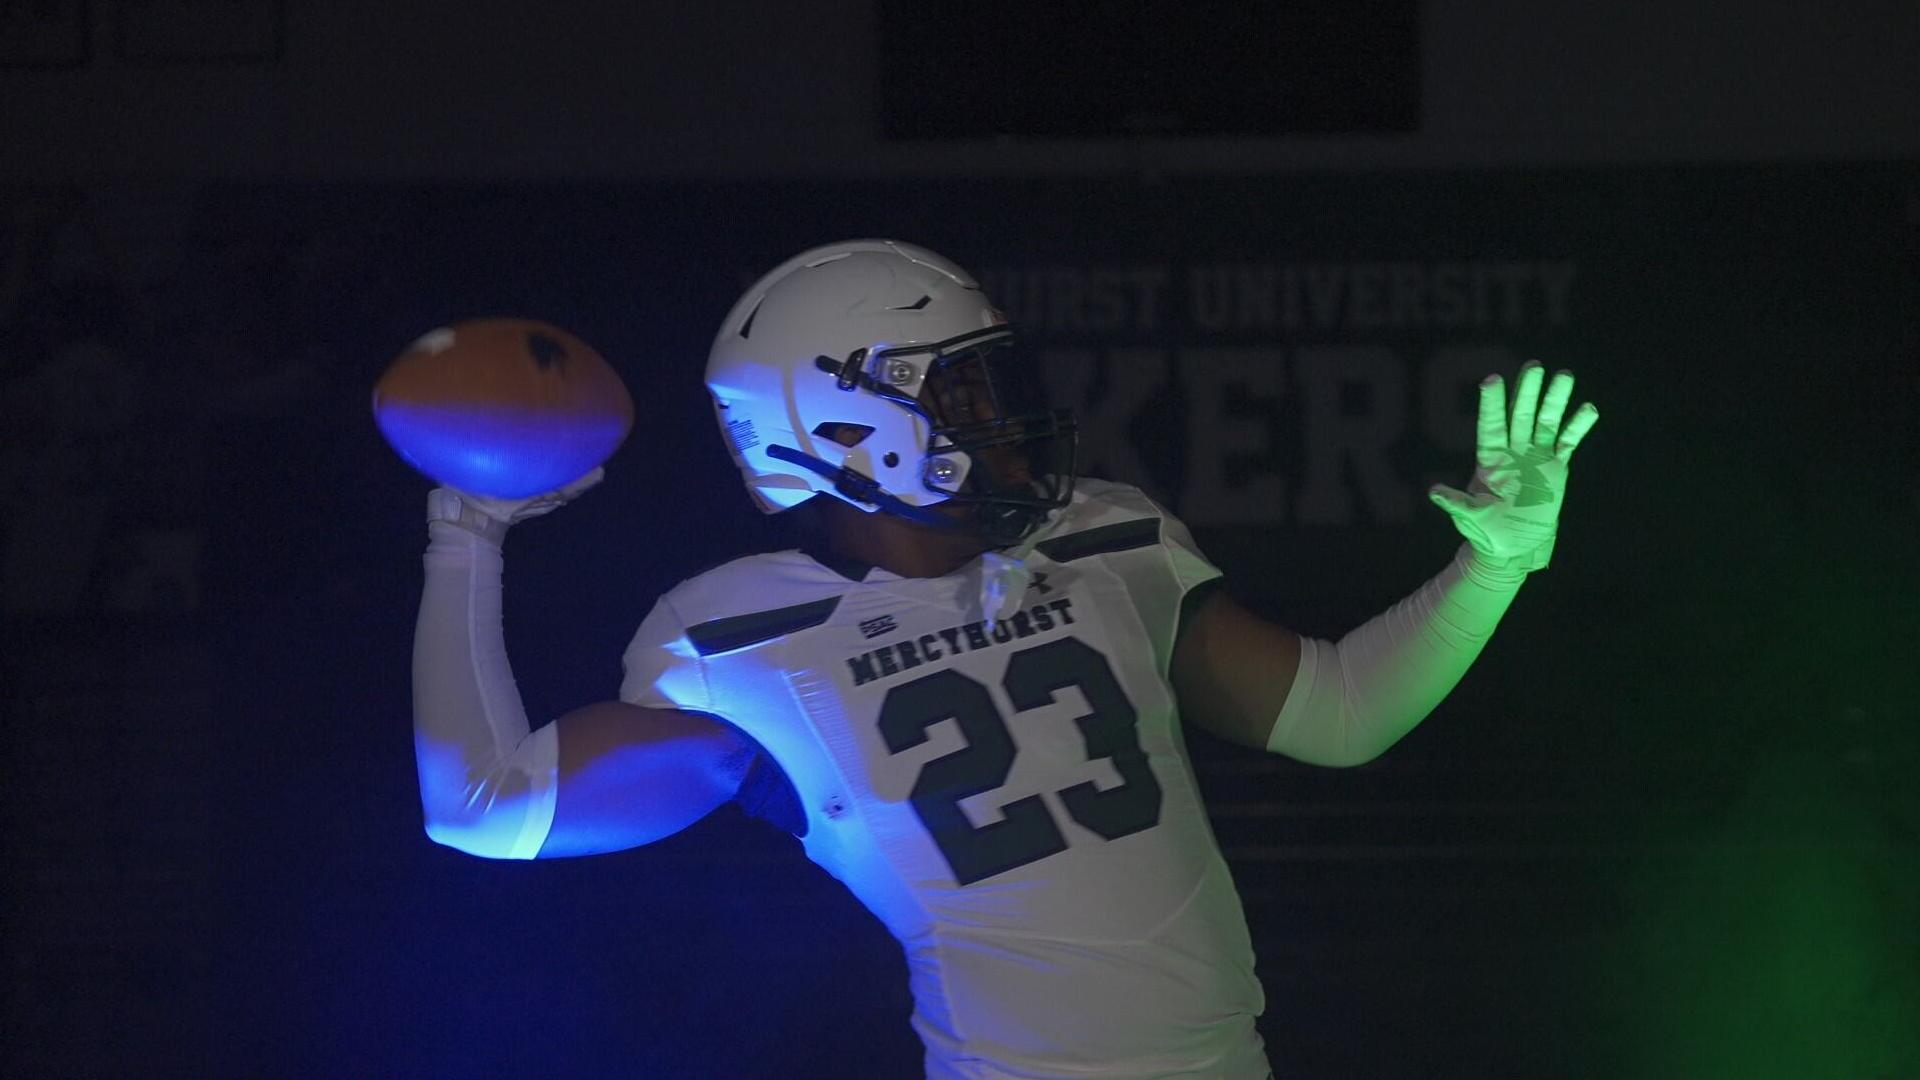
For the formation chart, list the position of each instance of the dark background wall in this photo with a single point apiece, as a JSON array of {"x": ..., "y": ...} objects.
[{"x": 1664, "y": 828}]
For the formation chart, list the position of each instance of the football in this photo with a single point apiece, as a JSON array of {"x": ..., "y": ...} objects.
[{"x": 502, "y": 407}]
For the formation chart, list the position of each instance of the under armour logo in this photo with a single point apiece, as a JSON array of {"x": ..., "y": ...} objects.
[
  {"x": 1040, "y": 581},
  {"x": 875, "y": 627},
  {"x": 1535, "y": 488}
]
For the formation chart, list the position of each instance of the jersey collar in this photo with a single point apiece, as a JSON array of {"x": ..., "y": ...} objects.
[{"x": 851, "y": 569}]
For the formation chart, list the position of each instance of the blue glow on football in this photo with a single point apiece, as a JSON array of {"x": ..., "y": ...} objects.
[{"x": 502, "y": 407}]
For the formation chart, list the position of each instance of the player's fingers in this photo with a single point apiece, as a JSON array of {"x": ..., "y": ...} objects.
[
  {"x": 1448, "y": 499},
  {"x": 598, "y": 474},
  {"x": 1457, "y": 502},
  {"x": 1490, "y": 434},
  {"x": 1553, "y": 408},
  {"x": 1582, "y": 422},
  {"x": 1526, "y": 402}
]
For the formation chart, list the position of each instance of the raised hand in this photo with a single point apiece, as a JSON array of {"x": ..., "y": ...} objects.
[{"x": 1511, "y": 509}]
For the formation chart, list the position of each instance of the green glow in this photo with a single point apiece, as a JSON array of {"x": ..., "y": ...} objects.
[{"x": 1782, "y": 942}]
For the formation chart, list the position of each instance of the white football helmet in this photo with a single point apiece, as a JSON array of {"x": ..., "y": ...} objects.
[{"x": 896, "y": 350}]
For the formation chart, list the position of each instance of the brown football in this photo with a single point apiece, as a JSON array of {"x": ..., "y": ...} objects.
[{"x": 504, "y": 407}]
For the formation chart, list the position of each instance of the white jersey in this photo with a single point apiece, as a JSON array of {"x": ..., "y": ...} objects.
[{"x": 1014, "y": 803}]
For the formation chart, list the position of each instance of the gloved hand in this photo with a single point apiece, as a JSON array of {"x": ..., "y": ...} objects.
[
  {"x": 488, "y": 515},
  {"x": 1511, "y": 509}
]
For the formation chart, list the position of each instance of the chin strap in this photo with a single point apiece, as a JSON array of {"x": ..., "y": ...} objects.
[{"x": 861, "y": 488}]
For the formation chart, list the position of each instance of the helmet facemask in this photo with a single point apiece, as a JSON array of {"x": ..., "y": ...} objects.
[{"x": 994, "y": 447}]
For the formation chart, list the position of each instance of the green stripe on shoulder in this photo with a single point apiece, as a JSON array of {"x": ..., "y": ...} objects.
[
  {"x": 1104, "y": 540},
  {"x": 740, "y": 631}
]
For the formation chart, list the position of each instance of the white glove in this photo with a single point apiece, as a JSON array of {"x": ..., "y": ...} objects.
[
  {"x": 1511, "y": 509},
  {"x": 488, "y": 516}
]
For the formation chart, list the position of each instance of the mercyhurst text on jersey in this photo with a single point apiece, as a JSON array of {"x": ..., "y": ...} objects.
[{"x": 899, "y": 656}]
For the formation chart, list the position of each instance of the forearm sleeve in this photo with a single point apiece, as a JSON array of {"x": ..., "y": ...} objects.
[
  {"x": 487, "y": 784},
  {"x": 1352, "y": 699}
]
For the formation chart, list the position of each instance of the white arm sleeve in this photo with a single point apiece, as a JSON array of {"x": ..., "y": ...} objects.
[
  {"x": 1350, "y": 701},
  {"x": 487, "y": 784}
]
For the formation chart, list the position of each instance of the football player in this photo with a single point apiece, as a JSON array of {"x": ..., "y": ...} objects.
[{"x": 962, "y": 694}]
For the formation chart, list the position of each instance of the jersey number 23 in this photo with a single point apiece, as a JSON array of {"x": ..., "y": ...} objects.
[{"x": 1027, "y": 831}]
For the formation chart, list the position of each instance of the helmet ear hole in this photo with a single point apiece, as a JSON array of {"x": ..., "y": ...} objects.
[
  {"x": 892, "y": 459},
  {"x": 848, "y": 435}
]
